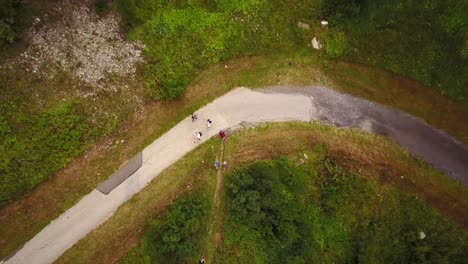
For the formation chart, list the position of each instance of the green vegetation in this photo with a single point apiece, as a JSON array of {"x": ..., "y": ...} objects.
[
  {"x": 176, "y": 237},
  {"x": 40, "y": 132},
  {"x": 281, "y": 213},
  {"x": 425, "y": 40},
  {"x": 10, "y": 11},
  {"x": 372, "y": 156},
  {"x": 27, "y": 143},
  {"x": 184, "y": 37},
  {"x": 101, "y": 6},
  {"x": 44, "y": 124}
]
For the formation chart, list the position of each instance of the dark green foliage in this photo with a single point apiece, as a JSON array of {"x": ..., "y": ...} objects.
[
  {"x": 33, "y": 147},
  {"x": 341, "y": 9},
  {"x": 426, "y": 40},
  {"x": 183, "y": 37},
  {"x": 266, "y": 219},
  {"x": 101, "y": 6},
  {"x": 9, "y": 16},
  {"x": 175, "y": 237},
  {"x": 276, "y": 215}
]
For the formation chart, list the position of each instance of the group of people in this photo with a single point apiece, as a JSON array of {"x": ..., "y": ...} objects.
[
  {"x": 209, "y": 122},
  {"x": 216, "y": 165},
  {"x": 199, "y": 134}
]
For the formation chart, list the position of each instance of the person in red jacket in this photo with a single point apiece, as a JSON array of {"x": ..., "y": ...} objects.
[{"x": 222, "y": 134}]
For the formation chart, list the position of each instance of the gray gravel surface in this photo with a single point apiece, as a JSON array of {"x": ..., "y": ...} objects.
[{"x": 420, "y": 139}]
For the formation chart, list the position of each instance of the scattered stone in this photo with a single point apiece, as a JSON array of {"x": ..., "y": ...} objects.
[
  {"x": 422, "y": 235},
  {"x": 303, "y": 25},
  {"x": 90, "y": 47},
  {"x": 316, "y": 44}
]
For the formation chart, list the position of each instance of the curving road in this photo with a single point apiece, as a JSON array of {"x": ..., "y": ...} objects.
[{"x": 275, "y": 104}]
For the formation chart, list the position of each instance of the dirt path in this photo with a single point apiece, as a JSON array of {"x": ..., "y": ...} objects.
[
  {"x": 278, "y": 104},
  {"x": 215, "y": 221},
  {"x": 219, "y": 176}
]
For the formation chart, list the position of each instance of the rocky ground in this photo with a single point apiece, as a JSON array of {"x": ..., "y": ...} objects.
[
  {"x": 72, "y": 38},
  {"x": 72, "y": 53}
]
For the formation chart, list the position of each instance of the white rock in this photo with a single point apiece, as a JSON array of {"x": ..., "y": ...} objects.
[
  {"x": 324, "y": 23},
  {"x": 303, "y": 25},
  {"x": 316, "y": 44},
  {"x": 422, "y": 235}
]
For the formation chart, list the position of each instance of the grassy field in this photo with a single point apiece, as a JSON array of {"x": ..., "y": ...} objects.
[
  {"x": 177, "y": 50},
  {"x": 425, "y": 40},
  {"x": 378, "y": 160},
  {"x": 39, "y": 173},
  {"x": 24, "y": 218},
  {"x": 281, "y": 211},
  {"x": 184, "y": 37}
]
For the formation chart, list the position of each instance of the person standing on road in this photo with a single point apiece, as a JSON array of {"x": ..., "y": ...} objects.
[
  {"x": 224, "y": 165},
  {"x": 216, "y": 164},
  {"x": 198, "y": 135},
  {"x": 209, "y": 122},
  {"x": 194, "y": 117}
]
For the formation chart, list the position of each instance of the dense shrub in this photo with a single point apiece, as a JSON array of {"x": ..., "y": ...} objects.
[
  {"x": 176, "y": 236},
  {"x": 9, "y": 15},
  {"x": 335, "y": 44},
  {"x": 101, "y": 6},
  {"x": 266, "y": 219},
  {"x": 425, "y": 40},
  {"x": 33, "y": 147},
  {"x": 246, "y": 7},
  {"x": 183, "y": 37},
  {"x": 279, "y": 213},
  {"x": 341, "y": 9}
]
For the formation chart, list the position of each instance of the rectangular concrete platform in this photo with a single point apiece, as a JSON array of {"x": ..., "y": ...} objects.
[{"x": 121, "y": 174}]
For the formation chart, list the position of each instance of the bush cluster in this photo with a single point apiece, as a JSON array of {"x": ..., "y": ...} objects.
[
  {"x": 33, "y": 147},
  {"x": 183, "y": 37},
  {"x": 280, "y": 213},
  {"x": 174, "y": 237},
  {"x": 425, "y": 40},
  {"x": 9, "y": 16}
]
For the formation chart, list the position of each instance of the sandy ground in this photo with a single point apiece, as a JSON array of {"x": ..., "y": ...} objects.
[{"x": 275, "y": 104}]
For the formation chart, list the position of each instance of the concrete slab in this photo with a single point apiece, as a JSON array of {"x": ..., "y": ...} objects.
[{"x": 121, "y": 174}]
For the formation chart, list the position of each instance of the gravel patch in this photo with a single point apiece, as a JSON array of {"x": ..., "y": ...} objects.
[{"x": 74, "y": 39}]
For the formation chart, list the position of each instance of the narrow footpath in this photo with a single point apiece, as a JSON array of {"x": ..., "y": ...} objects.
[
  {"x": 276, "y": 104},
  {"x": 215, "y": 222}
]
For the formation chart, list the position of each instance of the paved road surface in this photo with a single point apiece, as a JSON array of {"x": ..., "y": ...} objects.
[{"x": 275, "y": 104}]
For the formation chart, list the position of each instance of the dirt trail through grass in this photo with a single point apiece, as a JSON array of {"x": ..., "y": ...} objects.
[{"x": 215, "y": 222}]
